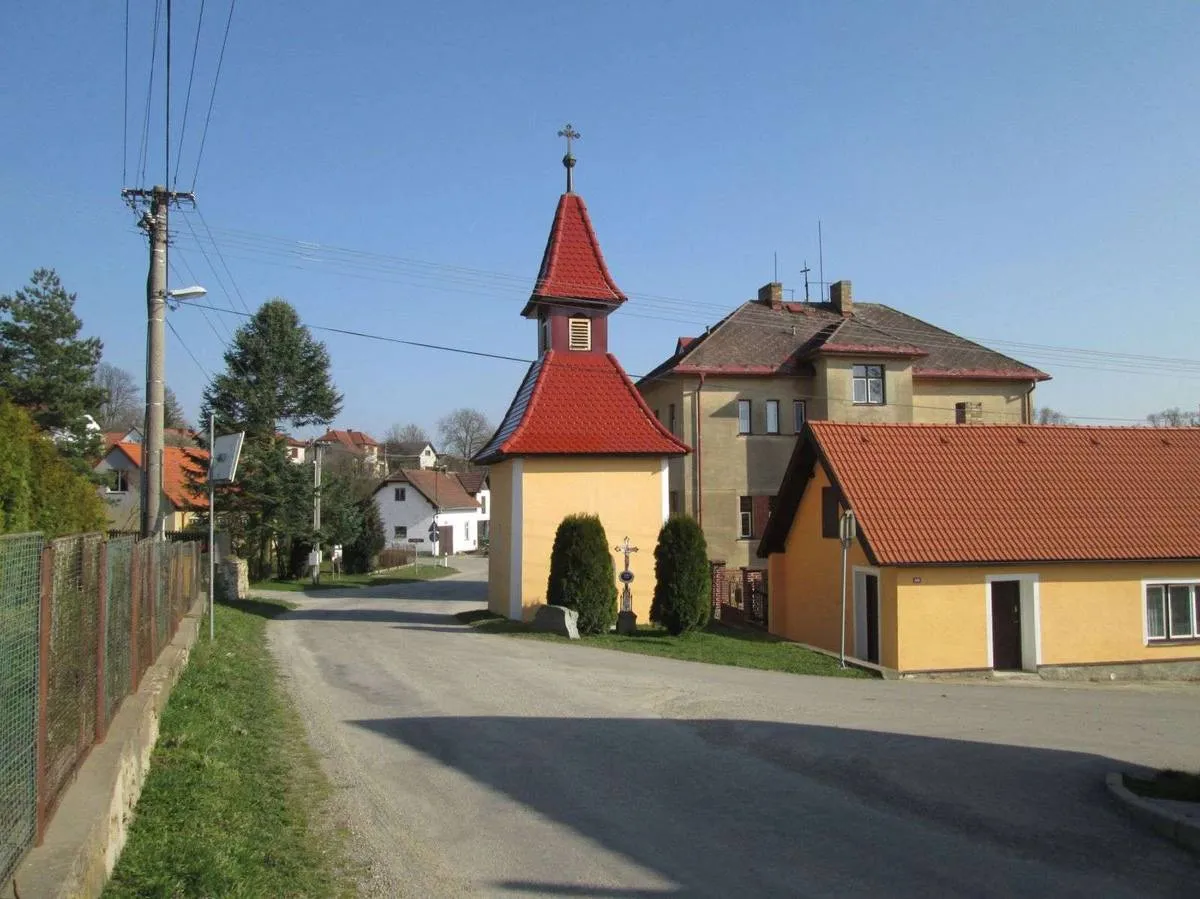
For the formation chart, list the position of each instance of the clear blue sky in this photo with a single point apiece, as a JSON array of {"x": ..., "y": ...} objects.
[{"x": 1020, "y": 172}]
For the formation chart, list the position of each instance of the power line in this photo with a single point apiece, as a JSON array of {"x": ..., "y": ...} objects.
[
  {"x": 171, "y": 325},
  {"x": 213, "y": 96},
  {"x": 216, "y": 247},
  {"x": 125, "y": 108},
  {"x": 144, "y": 156},
  {"x": 526, "y": 361},
  {"x": 187, "y": 102}
]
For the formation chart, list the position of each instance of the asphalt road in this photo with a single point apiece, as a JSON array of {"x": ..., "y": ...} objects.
[{"x": 468, "y": 764}]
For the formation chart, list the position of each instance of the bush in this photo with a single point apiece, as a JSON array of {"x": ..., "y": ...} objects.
[
  {"x": 682, "y": 581},
  {"x": 360, "y": 554},
  {"x": 582, "y": 575}
]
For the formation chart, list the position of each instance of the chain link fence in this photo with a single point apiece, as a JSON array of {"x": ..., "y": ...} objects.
[
  {"x": 81, "y": 619},
  {"x": 20, "y": 592}
]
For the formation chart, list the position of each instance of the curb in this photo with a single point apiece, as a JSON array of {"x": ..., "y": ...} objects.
[
  {"x": 1175, "y": 827},
  {"x": 88, "y": 831}
]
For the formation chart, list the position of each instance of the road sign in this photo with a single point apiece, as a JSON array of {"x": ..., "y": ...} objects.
[
  {"x": 433, "y": 534},
  {"x": 226, "y": 450},
  {"x": 416, "y": 539},
  {"x": 626, "y": 576}
]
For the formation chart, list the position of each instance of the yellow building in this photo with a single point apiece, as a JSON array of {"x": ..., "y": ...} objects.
[
  {"x": 741, "y": 393},
  {"x": 1064, "y": 550},
  {"x": 578, "y": 436}
]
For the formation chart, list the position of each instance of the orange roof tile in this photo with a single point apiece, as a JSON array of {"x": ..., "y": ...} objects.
[
  {"x": 178, "y": 462},
  {"x": 579, "y": 404},
  {"x": 573, "y": 267},
  {"x": 953, "y": 494}
]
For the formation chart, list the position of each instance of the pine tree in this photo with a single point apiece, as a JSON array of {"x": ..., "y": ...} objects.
[
  {"x": 682, "y": 586},
  {"x": 45, "y": 367},
  {"x": 276, "y": 376},
  {"x": 582, "y": 576}
]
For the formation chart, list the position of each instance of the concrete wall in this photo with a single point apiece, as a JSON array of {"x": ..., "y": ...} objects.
[
  {"x": 501, "y": 477},
  {"x": 1002, "y": 402},
  {"x": 626, "y": 492}
]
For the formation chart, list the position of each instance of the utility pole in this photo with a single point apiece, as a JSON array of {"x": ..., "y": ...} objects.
[
  {"x": 319, "y": 449},
  {"x": 154, "y": 221}
]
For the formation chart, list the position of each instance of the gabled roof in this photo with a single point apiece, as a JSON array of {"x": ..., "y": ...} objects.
[
  {"x": 757, "y": 340},
  {"x": 180, "y": 466},
  {"x": 444, "y": 491},
  {"x": 472, "y": 481},
  {"x": 411, "y": 447},
  {"x": 578, "y": 404},
  {"x": 958, "y": 494},
  {"x": 573, "y": 267},
  {"x": 350, "y": 440}
]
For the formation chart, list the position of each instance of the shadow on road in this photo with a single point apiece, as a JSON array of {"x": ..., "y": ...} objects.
[{"x": 729, "y": 808}]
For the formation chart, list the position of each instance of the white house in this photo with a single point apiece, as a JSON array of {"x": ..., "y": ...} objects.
[
  {"x": 411, "y": 454},
  {"x": 431, "y": 507},
  {"x": 476, "y": 485}
]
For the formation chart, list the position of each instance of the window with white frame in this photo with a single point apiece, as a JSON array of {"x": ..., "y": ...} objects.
[
  {"x": 799, "y": 415},
  {"x": 580, "y": 334},
  {"x": 483, "y": 504},
  {"x": 400, "y": 532},
  {"x": 746, "y": 516},
  {"x": 400, "y": 493},
  {"x": 868, "y": 385},
  {"x": 120, "y": 481},
  {"x": 772, "y": 416},
  {"x": 1172, "y": 612},
  {"x": 743, "y": 416}
]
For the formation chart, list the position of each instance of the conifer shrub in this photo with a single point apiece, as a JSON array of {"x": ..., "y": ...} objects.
[
  {"x": 582, "y": 576},
  {"x": 682, "y": 586}
]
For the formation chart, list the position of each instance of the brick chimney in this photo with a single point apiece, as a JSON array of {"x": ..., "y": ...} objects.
[
  {"x": 771, "y": 295},
  {"x": 840, "y": 298}
]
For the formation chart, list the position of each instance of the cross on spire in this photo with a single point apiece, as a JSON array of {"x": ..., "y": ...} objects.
[{"x": 569, "y": 132}]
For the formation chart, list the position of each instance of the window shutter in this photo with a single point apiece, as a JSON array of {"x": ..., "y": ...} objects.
[
  {"x": 829, "y": 512},
  {"x": 762, "y": 512},
  {"x": 580, "y": 334}
]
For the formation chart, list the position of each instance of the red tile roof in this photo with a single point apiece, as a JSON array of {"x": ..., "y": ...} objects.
[
  {"x": 178, "y": 462},
  {"x": 472, "y": 481},
  {"x": 354, "y": 441},
  {"x": 573, "y": 267},
  {"x": 443, "y": 490},
  {"x": 947, "y": 494},
  {"x": 579, "y": 404}
]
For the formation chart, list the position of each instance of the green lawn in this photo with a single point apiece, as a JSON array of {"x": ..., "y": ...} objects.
[
  {"x": 233, "y": 802},
  {"x": 406, "y": 575},
  {"x": 718, "y": 644}
]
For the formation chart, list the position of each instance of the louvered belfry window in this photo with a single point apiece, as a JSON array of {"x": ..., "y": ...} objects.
[{"x": 580, "y": 334}]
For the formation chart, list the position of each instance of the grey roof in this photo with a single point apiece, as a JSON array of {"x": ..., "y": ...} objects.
[{"x": 756, "y": 339}]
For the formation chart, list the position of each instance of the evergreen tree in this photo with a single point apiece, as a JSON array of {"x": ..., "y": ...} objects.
[
  {"x": 173, "y": 416},
  {"x": 582, "y": 576},
  {"x": 45, "y": 366},
  {"x": 682, "y": 581},
  {"x": 362, "y": 552},
  {"x": 276, "y": 376}
]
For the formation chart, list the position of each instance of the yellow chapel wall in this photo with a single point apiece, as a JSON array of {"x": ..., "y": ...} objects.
[
  {"x": 628, "y": 493},
  {"x": 500, "y": 530}
]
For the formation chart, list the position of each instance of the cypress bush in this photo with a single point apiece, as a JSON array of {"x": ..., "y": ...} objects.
[
  {"x": 582, "y": 576},
  {"x": 682, "y": 581}
]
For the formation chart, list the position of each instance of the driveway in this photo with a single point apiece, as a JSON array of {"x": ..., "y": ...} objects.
[{"x": 472, "y": 764}]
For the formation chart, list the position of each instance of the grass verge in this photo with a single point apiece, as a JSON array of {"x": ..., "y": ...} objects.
[
  {"x": 232, "y": 803},
  {"x": 407, "y": 575},
  {"x": 1166, "y": 785},
  {"x": 717, "y": 644}
]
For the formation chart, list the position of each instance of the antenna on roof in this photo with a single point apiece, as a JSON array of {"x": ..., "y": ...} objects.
[
  {"x": 776, "y": 278},
  {"x": 821, "y": 257},
  {"x": 804, "y": 271}
]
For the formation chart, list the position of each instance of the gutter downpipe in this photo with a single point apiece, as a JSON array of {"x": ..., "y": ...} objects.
[{"x": 699, "y": 455}]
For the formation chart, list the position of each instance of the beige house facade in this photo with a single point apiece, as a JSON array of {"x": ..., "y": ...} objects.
[{"x": 740, "y": 395}]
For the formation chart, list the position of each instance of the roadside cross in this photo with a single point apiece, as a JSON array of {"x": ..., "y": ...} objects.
[{"x": 626, "y": 575}]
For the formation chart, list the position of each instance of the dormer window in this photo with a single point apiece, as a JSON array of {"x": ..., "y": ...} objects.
[{"x": 580, "y": 334}]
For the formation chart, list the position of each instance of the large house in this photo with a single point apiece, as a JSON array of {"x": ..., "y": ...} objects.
[
  {"x": 411, "y": 454},
  {"x": 362, "y": 448},
  {"x": 1058, "y": 549},
  {"x": 741, "y": 393},
  {"x": 182, "y": 468},
  {"x": 430, "y": 510}
]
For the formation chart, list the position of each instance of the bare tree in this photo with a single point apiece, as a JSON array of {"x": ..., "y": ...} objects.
[
  {"x": 463, "y": 432},
  {"x": 409, "y": 433},
  {"x": 123, "y": 407},
  {"x": 1174, "y": 418},
  {"x": 1044, "y": 416}
]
